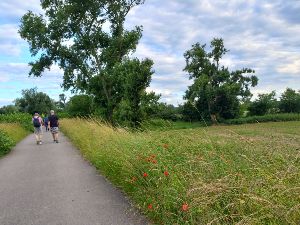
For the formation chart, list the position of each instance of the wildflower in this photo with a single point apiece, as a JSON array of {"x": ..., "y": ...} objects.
[
  {"x": 185, "y": 207},
  {"x": 166, "y": 173},
  {"x": 145, "y": 175},
  {"x": 154, "y": 161},
  {"x": 150, "y": 206},
  {"x": 165, "y": 145},
  {"x": 133, "y": 179}
]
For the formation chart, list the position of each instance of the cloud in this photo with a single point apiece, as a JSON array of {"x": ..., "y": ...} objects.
[
  {"x": 260, "y": 35},
  {"x": 14, "y": 78},
  {"x": 13, "y": 10},
  {"x": 11, "y": 43},
  {"x": 263, "y": 35}
]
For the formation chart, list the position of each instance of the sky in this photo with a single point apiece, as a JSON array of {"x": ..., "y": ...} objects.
[{"x": 262, "y": 35}]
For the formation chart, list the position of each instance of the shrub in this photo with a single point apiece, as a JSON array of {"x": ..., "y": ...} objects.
[
  {"x": 23, "y": 119},
  {"x": 6, "y": 143},
  {"x": 265, "y": 118}
]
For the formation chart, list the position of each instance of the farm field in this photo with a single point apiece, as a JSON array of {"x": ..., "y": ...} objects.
[{"x": 246, "y": 174}]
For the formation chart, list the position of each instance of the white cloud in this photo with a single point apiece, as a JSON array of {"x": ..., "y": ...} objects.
[{"x": 260, "y": 35}]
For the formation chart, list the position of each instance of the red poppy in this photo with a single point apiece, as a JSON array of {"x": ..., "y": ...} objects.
[
  {"x": 154, "y": 161},
  {"x": 166, "y": 173},
  {"x": 150, "y": 206},
  {"x": 145, "y": 175},
  {"x": 185, "y": 207}
]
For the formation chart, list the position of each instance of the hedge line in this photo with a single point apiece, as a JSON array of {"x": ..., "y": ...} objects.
[{"x": 266, "y": 118}]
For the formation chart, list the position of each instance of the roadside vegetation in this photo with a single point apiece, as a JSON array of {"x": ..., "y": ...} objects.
[
  {"x": 247, "y": 174},
  {"x": 10, "y": 134}
]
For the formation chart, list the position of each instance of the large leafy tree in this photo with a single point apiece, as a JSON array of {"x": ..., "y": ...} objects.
[
  {"x": 87, "y": 39},
  {"x": 34, "y": 101},
  {"x": 216, "y": 91},
  {"x": 264, "y": 104},
  {"x": 80, "y": 105},
  {"x": 290, "y": 101}
]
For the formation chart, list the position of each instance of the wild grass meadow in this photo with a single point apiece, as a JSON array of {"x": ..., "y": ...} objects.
[{"x": 246, "y": 174}]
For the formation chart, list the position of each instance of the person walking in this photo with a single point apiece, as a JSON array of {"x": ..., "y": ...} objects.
[
  {"x": 53, "y": 124},
  {"x": 46, "y": 120},
  {"x": 38, "y": 131}
]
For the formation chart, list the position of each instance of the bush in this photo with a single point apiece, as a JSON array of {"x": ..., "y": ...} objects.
[
  {"x": 80, "y": 105},
  {"x": 265, "y": 118},
  {"x": 6, "y": 143},
  {"x": 23, "y": 119}
]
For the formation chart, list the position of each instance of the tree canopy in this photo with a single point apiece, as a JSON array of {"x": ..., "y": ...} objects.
[
  {"x": 34, "y": 101},
  {"x": 216, "y": 91},
  {"x": 87, "y": 39}
]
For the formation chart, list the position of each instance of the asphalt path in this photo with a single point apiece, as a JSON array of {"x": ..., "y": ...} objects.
[{"x": 50, "y": 184}]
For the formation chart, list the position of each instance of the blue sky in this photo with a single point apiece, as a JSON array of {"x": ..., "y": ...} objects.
[{"x": 263, "y": 35}]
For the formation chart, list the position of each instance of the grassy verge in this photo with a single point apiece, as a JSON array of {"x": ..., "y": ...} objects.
[
  {"x": 162, "y": 125},
  {"x": 10, "y": 134},
  {"x": 248, "y": 174}
]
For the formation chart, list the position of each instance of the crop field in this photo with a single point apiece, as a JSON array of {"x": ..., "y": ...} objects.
[{"x": 246, "y": 174}]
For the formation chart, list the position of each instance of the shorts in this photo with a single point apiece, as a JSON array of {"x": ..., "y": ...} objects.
[
  {"x": 38, "y": 130},
  {"x": 54, "y": 130}
]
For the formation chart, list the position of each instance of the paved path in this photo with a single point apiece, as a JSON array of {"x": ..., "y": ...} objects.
[{"x": 51, "y": 184}]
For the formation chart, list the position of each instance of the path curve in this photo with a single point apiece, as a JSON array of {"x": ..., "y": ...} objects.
[{"x": 51, "y": 184}]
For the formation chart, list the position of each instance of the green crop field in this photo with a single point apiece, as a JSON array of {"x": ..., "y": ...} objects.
[{"x": 246, "y": 174}]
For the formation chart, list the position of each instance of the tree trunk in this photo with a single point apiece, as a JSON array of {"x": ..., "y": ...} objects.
[{"x": 213, "y": 118}]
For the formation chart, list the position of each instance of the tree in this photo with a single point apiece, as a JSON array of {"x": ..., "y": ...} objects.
[
  {"x": 73, "y": 35},
  {"x": 150, "y": 104},
  {"x": 80, "y": 105},
  {"x": 8, "y": 109},
  {"x": 215, "y": 91},
  {"x": 62, "y": 101},
  {"x": 290, "y": 101},
  {"x": 264, "y": 104},
  {"x": 34, "y": 101},
  {"x": 190, "y": 112}
]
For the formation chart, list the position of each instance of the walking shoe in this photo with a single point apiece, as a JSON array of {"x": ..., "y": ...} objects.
[
  {"x": 40, "y": 142},
  {"x": 37, "y": 142},
  {"x": 57, "y": 141}
]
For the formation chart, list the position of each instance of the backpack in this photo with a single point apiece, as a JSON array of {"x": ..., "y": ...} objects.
[{"x": 36, "y": 122}]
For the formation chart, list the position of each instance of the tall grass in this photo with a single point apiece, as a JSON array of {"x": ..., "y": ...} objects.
[{"x": 248, "y": 174}]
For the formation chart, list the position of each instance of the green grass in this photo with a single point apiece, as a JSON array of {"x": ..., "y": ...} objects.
[
  {"x": 10, "y": 134},
  {"x": 163, "y": 125},
  {"x": 247, "y": 174},
  {"x": 266, "y": 118}
]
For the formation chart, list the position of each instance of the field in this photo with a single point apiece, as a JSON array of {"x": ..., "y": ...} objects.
[{"x": 246, "y": 174}]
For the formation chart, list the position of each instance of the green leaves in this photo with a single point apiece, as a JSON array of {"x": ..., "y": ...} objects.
[
  {"x": 216, "y": 90},
  {"x": 74, "y": 35},
  {"x": 34, "y": 101},
  {"x": 6, "y": 143}
]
